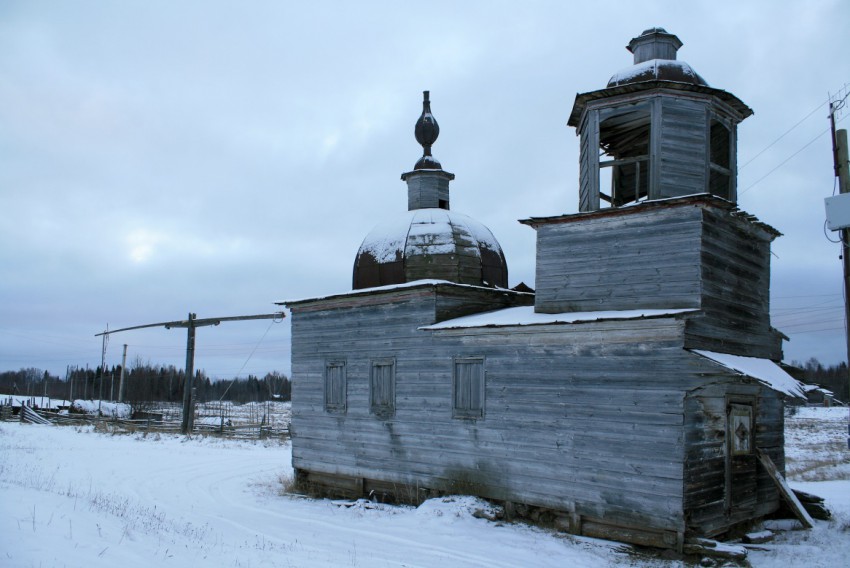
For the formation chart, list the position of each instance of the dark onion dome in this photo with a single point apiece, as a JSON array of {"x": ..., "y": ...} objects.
[
  {"x": 430, "y": 244},
  {"x": 657, "y": 70}
]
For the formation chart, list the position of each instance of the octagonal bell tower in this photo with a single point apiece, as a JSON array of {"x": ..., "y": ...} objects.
[{"x": 656, "y": 131}]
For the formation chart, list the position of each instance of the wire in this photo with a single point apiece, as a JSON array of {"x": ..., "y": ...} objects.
[
  {"x": 245, "y": 364},
  {"x": 783, "y": 162},
  {"x": 786, "y": 160},
  {"x": 766, "y": 148}
]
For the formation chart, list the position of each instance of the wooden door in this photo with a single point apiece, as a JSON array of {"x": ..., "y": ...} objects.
[{"x": 741, "y": 459}]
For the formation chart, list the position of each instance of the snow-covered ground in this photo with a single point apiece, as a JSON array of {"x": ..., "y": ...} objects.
[
  {"x": 72, "y": 497},
  {"x": 102, "y": 408}
]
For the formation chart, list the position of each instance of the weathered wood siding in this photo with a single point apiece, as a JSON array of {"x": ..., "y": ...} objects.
[
  {"x": 692, "y": 255},
  {"x": 589, "y": 163},
  {"x": 735, "y": 261},
  {"x": 584, "y": 418},
  {"x": 715, "y": 500},
  {"x": 644, "y": 259},
  {"x": 683, "y": 148},
  {"x": 452, "y": 302}
]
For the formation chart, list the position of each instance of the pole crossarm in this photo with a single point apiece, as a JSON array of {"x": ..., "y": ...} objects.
[
  {"x": 190, "y": 324},
  {"x": 196, "y": 322}
]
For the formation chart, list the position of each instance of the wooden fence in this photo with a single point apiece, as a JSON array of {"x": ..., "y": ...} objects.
[{"x": 151, "y": 425}]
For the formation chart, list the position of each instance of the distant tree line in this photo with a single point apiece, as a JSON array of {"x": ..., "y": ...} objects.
[
  {"x": 143, "y": 382},
  {"x": 830, "y": 377}
]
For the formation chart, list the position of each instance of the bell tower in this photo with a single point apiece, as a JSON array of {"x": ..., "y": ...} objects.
[{"x": 656, "y": 131}]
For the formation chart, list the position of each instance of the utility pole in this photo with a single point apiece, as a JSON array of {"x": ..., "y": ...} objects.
[
  {"x": 102, "y": 367},
  {"x": 842, "y": 172},
  {"x": 121, "y": 379},
  {"x": 844, "y": 187},
  {"x": 190, "y": 324},
  {"x": 188, "y": 408}
]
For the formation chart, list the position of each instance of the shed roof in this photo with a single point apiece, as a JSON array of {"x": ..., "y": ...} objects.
[{"x": 764, "y": 371}]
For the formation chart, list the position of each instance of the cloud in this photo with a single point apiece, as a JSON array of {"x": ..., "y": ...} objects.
[{"x": 160, "y": 158}]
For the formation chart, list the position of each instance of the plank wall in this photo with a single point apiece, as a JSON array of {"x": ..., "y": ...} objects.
[
  {"x": 639, "y": 259},
  {"x": 684, "y": 256},
  {"x": 735, "y": 260},
  {"x": 583, "y": 418},
  {"x": 712, "y": 506},
  {"x": 682, "y": 147}
]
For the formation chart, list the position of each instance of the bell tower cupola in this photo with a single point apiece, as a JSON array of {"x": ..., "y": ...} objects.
[{"x": 656, "y": 131}]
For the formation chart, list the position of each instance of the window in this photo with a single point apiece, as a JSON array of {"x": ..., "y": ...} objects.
[
  {"x": 335, "y": 386},
  {"x": 382, "y": 387},
  {"x": 720, "y": 173},
  {"x": 468, "y": 388}
]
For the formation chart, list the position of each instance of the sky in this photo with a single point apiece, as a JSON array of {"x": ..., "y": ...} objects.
[{"x": 160, "y": 158}]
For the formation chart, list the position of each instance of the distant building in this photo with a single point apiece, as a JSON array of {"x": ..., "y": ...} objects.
[{"x": 628, "y": 396}]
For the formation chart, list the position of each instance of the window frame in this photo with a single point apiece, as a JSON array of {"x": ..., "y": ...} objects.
[
  {"x": 472, "y": 412},
  {"x": 382, "y": 409},
  {"x": 342, "y": 405}
]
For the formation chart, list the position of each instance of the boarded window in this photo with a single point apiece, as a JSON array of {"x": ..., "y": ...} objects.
[
  {"x": 335, "y": 386},
  {"x": 382, "y": 387},
  {"x": 468, "y": 388}
]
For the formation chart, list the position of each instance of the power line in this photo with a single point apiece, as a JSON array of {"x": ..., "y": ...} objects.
[
  {"x": 769, "y": 146},
  {"x": 786, "y": 160},
  {"x": 783, "y": 162}
]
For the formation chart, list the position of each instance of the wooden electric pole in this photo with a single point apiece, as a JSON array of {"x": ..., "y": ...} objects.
[
  {"x": 842, "y": 167},
  {"x": 842, "y": 172},
  {"x": 190, "y": 324},
  {"x": 121, "y": 379}
]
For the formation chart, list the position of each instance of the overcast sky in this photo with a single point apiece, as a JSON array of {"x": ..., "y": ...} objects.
[{"x": 163, "y": 157}]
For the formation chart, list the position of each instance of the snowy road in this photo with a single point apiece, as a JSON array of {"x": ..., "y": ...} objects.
[{"x": 73, "y": 497}]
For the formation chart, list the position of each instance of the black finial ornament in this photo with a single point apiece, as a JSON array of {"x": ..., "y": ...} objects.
[{"x": 427, "y": 130}]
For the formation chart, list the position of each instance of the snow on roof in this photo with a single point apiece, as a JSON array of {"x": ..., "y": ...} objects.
[
  {"x": 763, "y": 370},
  {"x": 391, "y": 287},
  {"x": 812, "y": 388},
  {"x": 431, "y": 229},
  {"x": 525, "y": 315},
  {"x": 665, "y": 69}
]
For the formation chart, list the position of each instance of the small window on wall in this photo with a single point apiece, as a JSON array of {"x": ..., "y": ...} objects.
[
  {"x": 335, "y": 386},
  {"x": 382, "y": 387},
  {"x": 468, "y": 387}
]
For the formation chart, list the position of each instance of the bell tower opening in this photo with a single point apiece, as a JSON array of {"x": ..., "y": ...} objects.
[
  {"x": 624, "y": 148},
  {"x": 720, "y": 161}
]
